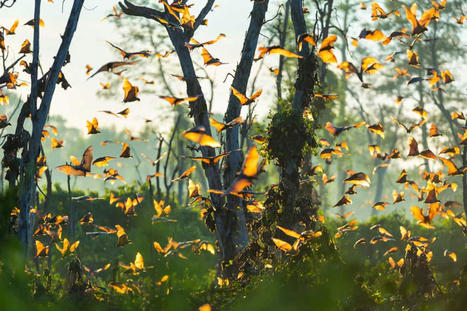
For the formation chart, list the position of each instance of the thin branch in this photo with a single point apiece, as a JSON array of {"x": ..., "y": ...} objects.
[
  {"x": 35, "y": 59},
  {"x": 202, "y": 15}
]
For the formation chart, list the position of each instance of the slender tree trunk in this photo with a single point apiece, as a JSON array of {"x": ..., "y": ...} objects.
[
  {"x": 439, "y": 97},
  {"x": 464, "y": 177},
  {"x": 72, "y": 208},
  {"x": 341, "y": 175},
  {"x": 236, "y": 211},
  {"x": 282, "y": 39},
  {"x": 304, "y": 85},
  {"x": 38, "y": 118}
]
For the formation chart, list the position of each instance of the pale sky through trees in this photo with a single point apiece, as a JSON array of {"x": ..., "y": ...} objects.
[{"x": 80, "y": 103}]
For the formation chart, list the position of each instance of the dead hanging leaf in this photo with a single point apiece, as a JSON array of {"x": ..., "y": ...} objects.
[
  {"x": 413, "y": 58},
  {"x": 25, "y": 47}
]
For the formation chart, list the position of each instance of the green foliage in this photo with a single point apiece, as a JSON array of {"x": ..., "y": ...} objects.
[{"x": 290, "y": 136}]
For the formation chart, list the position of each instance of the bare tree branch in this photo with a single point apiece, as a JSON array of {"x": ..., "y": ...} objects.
[{"x": 202, "y": 15}]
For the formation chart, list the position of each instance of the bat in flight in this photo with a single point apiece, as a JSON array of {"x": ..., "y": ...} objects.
[
  {"x": 373, "y": 35},
  {"x": 245, "y": 100},
  {"x": 93, "y": 126},
  {"x": 275, "y": 50},
  {"x": 424, "y": 220},
  {"x": 195, "y": 44},
  {"x": 12, "y": 29},
  {"x": 79, "y": 169},
  {"x": 336, "y": 131},
  {"x": 174, "y": 101},
  {"x": 128, "y": 55},
  {"x": 248, "y": 173},
  {"x": 209, "y": 59},
  {"x": 419, "y": 25},
  {"x": 115, "y": 14},
  {"x": 4, "y": 121},
  {"x": 325, "y": 50},
  {"x": 198, "y": 135},
  {"x": 110, "y": 66},
  {"x": 369, "y": 65},
  {"x": 31, "y": 23},
  {"x": 185, "y": 174},
  {"x": 123, "y": 113},
  {"x": 130, "y": 92},
  {"x": 378, "y": 13},
  {"x": 102, "y": 161},
  {"x": 219, "y": 126},
  {"x": 412, "y": 127},
  {"x": 304, "y": 37},
  {"x": 210, "y": 160},
  {"x": 133, "y": 138}
]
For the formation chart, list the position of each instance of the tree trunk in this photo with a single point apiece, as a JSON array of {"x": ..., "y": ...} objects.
[
  {"x": 237, "y": 231},
  {"x": 464, "y": 177},
  {"x": 304, "y": 85},
  {"x": 38, "y": 118},
  {"x": 282, "y": 39}
]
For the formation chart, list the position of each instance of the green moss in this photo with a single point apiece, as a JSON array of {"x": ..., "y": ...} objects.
[{"x": 290, "y": 136}]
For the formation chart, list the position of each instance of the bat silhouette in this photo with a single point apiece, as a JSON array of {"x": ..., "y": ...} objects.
[{"x": 83, "y": 168}]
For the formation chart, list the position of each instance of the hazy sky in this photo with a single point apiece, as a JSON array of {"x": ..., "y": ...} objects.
[{"x": 80, "y": 103}]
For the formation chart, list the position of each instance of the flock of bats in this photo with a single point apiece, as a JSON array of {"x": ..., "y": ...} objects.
[{"x": 435, "y": 182}]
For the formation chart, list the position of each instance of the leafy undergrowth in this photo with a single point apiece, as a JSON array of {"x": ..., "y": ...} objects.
[{"x": 325, "y": 271}]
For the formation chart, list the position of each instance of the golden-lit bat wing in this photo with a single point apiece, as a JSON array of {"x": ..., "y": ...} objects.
[
  {"x": 417, "y": 213},
  {"x": 283, "y": 52},
  {"x": 250, "y": 166},
  {"x": 413, "y": 147},
  {"x": 199, "y": 135},
  {"x": 325, "y": 51},
  {"x": 452, "y": 168},
  {"x": 219, "y": 126},
  {"x": 242, "y": 98},
  {"x": 70, "y": 170},
  {"x": 87, "y": 159}
]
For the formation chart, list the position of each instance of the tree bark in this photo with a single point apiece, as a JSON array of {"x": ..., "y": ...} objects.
[
  {"x": 235, "y": 214},
  {"x": 38, "y": 118},
  {"x": 304, "y": 85},
  {"x": 464, "y": 177},
  {"x": 282, "y": 39},
  {"x": 230, "y": 224}
]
